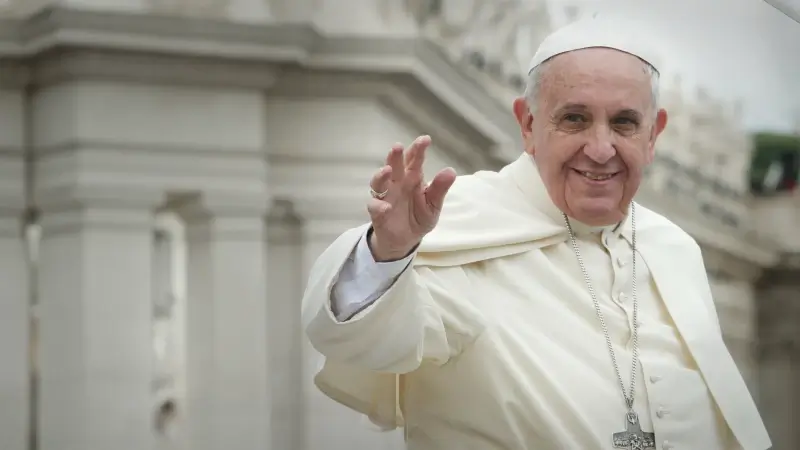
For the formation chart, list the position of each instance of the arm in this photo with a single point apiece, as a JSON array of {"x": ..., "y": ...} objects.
[{"x": 424, "y": 315}]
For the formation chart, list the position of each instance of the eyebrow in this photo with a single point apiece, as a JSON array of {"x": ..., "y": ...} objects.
[{"x": 580, "y": 107}]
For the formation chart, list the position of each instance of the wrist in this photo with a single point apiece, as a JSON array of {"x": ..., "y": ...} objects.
[{"x": 383, "y": 253}]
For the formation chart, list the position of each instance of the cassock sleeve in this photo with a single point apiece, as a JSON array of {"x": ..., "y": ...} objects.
[{"x": 426, "y": 315}]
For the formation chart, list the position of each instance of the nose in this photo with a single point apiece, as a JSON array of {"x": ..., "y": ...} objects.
[{"x": 600, "y": 147}]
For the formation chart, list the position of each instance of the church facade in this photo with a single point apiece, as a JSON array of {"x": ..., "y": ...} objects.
[{"x": 171, "y": 168}]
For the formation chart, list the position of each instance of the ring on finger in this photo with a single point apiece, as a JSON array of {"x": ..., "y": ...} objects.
[{"x": 378, "y": 195}]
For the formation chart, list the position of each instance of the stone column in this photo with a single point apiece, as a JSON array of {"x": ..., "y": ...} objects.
[
  {"x": 95, "y": 324},
  {"x": 285, "y": 333},
  {"x": 14, "y": 291},
  {"x": 779, "y": 354},
  {"x": 14, "y": 288},
  {"x": 14, "y": 326},
  {"x": 227, "y": 384}
]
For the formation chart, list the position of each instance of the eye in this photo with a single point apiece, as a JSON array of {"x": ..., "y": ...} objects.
[
  {"x": 625, "y": 121},
  {"x": 574, "y": 118}
]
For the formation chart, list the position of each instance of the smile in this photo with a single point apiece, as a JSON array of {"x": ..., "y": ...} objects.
[{"x": 596, "y": 176}]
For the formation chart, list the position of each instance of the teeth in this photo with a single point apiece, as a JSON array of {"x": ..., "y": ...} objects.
[{"x": 596, "y": 177}]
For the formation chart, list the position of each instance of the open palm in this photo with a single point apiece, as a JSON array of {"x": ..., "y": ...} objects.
[{"x": 410, "y": 208}]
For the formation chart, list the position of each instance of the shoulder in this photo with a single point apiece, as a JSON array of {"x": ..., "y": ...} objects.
[
  {"x": 485, "y": 215},
  {"x": 484, "y": 189},
  {"x": 482, "y": 180}
]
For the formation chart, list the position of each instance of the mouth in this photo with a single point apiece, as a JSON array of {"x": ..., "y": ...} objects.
[{"x": 595, "y": 176}]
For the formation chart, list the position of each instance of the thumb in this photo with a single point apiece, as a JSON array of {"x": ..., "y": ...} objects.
[{"x": 438, "y": 187}]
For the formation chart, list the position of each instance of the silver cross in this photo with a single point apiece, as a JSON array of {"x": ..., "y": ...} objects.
[{"x": 633, "y": 438}]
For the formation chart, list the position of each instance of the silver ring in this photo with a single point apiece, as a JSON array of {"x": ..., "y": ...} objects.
[{"x": 378, "y": 195}]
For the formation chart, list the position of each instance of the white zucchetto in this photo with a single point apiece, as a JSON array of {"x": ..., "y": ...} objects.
[{"x": 597, "y": 31}]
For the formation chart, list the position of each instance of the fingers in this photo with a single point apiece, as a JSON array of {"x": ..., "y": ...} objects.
[
  {"x": 381, "y": 179},
  {"x": 395, "y": 161},
  {"x": 437, "y": 189},
  {"x": 398, "y": 161},
  {"x": 415, "y": 156}
]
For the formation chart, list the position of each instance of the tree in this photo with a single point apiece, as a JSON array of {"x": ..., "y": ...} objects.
[{"x": 775, "y": 164}]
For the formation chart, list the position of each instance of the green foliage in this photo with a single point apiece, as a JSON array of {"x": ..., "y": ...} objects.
[{"x": 769, "y": 148}]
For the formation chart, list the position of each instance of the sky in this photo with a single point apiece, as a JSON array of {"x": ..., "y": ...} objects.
[{"x": 736, "y": 49}]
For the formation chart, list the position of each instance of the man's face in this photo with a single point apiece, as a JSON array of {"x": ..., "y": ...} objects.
[{"x": 593, "y": 132}]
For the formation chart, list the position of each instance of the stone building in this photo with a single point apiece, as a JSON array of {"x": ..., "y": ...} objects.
[{"x": 169, "y": 169}]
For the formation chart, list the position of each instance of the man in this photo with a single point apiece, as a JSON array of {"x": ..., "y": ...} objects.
[{"x": 543, "y": 308}]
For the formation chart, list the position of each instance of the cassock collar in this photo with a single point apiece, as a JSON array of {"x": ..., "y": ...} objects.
[{"x": 526, "y": 176}]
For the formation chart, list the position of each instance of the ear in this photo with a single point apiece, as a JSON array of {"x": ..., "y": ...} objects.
[
  {"x": 522, "y": 112},
  {"x": 658, "y": 127}
]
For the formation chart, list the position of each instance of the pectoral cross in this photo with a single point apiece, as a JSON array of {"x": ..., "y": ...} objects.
[{"x": 633, "y": 438}]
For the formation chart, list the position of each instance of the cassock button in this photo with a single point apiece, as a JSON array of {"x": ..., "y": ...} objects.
[
  {"x": 620, "y": 262},
  {"x": 661, "y": 413},
  {"x": 655, "y": 379},
  {"x": 667, "y": 445},
  {"x": 622, "y": 297}
]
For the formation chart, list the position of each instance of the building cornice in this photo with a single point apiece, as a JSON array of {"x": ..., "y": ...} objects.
[
  {"x": 411, "y": 75},
  {"x": 59, "y": 43}
]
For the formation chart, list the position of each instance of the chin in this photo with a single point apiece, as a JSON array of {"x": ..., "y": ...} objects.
[{"x": 597, "y": 212}]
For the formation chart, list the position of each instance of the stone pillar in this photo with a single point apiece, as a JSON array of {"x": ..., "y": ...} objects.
[
  {"x": 14, "y": 292},
  {"x": 14, "y": 342},
  {"x": 227, "y": 385},
  {"x": 285, "y": 333},
  {"x": 95, "y": 324},
  {"x": 779, "y": 354}
]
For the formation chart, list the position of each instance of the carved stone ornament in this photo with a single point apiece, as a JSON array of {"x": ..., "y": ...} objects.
[{"x": 495, "y": 36}]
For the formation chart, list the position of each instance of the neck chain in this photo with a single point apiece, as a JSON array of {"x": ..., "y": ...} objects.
[{"x": 633, "y": 437}]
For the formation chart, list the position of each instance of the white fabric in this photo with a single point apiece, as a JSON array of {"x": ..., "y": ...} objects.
[
  {"x": 671, "y": 385},
  {"x": 363, "y": 280},
  {"x": 598, "y": 31},
  {"x": 491, "y": 341}
]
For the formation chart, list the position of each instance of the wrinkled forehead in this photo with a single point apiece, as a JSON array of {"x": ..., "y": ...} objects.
[
  {"x": 600, "y": 62},
  {"x": 597, "y": 77}
]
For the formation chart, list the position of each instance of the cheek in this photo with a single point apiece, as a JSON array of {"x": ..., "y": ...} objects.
[
  {"x": 560, "y": 151},
  {"x": 635, "y": 158}
]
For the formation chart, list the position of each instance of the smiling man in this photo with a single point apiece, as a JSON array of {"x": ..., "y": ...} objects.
[{"x": 537, "y": 307}]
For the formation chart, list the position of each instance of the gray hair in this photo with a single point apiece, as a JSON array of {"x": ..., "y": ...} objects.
[{"x": 534, "y": 83}]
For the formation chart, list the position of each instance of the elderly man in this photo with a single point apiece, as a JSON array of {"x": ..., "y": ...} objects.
[{"x": 543, "y": 308}]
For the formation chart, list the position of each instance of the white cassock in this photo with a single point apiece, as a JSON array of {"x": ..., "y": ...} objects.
[{"x": 488, "y": 338}]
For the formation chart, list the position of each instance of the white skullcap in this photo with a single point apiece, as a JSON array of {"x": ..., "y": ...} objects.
[{"x": 597, "y": 31}]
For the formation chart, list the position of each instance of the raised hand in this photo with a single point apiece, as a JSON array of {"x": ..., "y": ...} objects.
[{"x": 404, "y": 208}]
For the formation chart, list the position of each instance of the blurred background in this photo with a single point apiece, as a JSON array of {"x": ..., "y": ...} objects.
[{"x": 169, "y": 170}]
